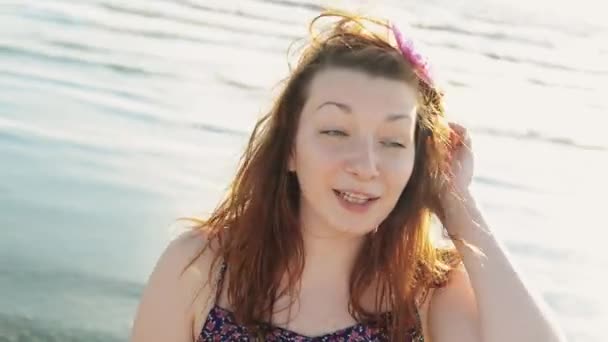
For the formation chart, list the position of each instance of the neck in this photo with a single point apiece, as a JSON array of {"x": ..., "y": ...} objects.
[{"x": 329, "y": 255}]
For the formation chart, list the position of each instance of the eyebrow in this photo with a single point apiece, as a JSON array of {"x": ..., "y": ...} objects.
[{"x": 348, "y": 109}]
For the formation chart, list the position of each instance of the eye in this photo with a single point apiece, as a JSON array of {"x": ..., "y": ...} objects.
[
  {"x": 334, "y": 133},
  {"x": 393, "y": 144}
]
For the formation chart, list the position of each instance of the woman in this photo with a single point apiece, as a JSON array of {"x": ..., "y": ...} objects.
[{"x": 324, "y": 234}]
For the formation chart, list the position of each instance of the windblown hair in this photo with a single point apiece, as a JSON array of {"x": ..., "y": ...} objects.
[{"x": 256, "y": 226}]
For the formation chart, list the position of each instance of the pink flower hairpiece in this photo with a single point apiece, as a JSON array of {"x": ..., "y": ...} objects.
[{"x": 406, "y": 46}]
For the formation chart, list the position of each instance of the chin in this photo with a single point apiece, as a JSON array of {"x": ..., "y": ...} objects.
[{"x": 354, "y": 228}]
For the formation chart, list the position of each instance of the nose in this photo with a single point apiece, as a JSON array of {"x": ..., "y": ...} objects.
[{"x": 363, "y": 161}]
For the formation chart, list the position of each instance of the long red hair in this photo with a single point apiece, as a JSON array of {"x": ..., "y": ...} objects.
[{"x": 256, "y": 226}]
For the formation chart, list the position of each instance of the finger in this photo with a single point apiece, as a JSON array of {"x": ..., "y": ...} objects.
[
  {"x": 462, "y": 136},
  {"x": 458, "y": 134},
  {"x": 457, "y": 127},
  {"x": 467, "y": 140},
  {"x": 456, "y": 138}
]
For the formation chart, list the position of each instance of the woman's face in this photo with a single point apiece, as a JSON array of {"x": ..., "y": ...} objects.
[{"x": 354, "y": 150}]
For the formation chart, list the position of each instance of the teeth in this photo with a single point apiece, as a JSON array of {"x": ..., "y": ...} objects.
[{"x": 354, "y": 198}]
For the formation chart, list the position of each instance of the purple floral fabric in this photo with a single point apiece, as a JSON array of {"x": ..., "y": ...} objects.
[{"x": 221, "y": 326}]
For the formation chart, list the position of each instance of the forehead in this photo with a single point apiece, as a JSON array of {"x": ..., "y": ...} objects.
[{"x": 362, "y": 91}]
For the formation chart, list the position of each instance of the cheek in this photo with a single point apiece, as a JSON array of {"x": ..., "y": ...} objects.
[
  {"x": 398, "y": 171},
  {"x": 314, "y": 156},
  {"x": 314, "y": 167}
]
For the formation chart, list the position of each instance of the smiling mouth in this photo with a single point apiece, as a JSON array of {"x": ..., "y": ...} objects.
[{"x": 354, "y": 198}]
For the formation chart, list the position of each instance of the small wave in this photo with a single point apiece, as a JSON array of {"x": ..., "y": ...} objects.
[
  {"x": 37, "y": 54},
  {"x": 570, "y": 30},
  {"x": 239, "y": 85},
  {"x": 156, "y": 34},
  {"x": 22, "y": 136},
  {"x": 499, "y": 183},
  {"x": 457, "y": 84},
  {"x": 18, "y": 328},
  {"x": 537, "y": 136},
  {"x": 502, "y": 56},
  {"x": 216, "y": 129},
  {"x": 295, "y": 4},
  {"x": 543, "y": 64},
  {"x": 48, "y": 15},
  {"x": 488, "y": 35},
  {"x": 542, "y": 252},
  {"x": 230, "y": 28},
  {"x": 573, "y": 304},
  {"x": 61, "y": 280},
  {"x": 147, "y": 31},
  {"x": 53, "y": 304},
  {"x": 82, "y": 86},
  {"x": 77, "y": 46},
  {"x": 544, "y": 83},
  {"x": 235, "y": 12}
]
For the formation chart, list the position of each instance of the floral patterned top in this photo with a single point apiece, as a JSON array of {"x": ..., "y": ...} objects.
[{"x": 221, "y": 326}]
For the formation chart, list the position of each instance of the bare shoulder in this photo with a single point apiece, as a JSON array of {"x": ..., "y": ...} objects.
[
  {"x": 169, "y": 301},
  {"x": 451, "y": 313}
]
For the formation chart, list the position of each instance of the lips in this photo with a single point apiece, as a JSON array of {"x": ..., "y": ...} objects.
[
  {"x": 356, "y": 197},
  {"x": 354, "y": 201},
  {"x": 356, "y": 193}
]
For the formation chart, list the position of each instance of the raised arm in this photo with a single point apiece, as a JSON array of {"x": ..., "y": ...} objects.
[
  {"x": 489, "y": 302},
  {"x": 166, "y": 311}
]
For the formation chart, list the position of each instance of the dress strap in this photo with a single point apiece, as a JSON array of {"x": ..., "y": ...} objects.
[
  {"x": 220, "y": 281},
  {"x": 417, "y": 333}
]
